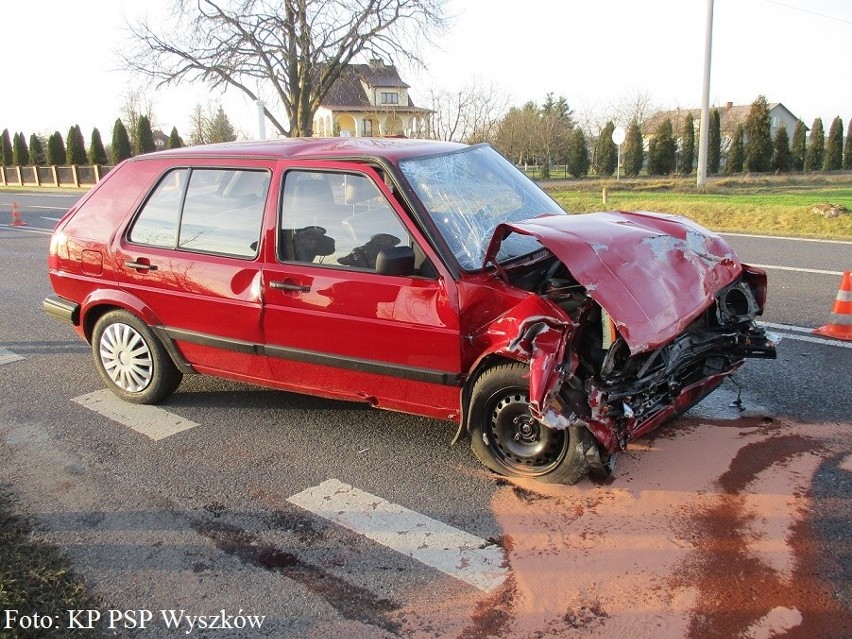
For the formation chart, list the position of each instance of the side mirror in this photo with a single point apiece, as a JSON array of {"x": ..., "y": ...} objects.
[{"x": 398, "y": 260}]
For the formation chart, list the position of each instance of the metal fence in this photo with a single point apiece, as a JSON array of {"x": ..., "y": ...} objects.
[{"x": 57, "y": 176}]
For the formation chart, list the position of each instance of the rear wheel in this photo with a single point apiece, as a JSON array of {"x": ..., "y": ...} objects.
[
  {"x": 131, "y": 361},
  {"x": 510, "y": 441}
]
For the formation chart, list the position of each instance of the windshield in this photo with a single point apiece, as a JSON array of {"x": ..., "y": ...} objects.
[{"x": 467, "y": 194}]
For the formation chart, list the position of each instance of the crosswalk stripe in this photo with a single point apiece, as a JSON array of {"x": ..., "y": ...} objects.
[
  {"x": 8, "y": 357},
  {"x": 452, "y": 551},
  {"x": 150, "y": 421}
]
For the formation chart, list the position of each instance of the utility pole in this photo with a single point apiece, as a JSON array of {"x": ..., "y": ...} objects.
[
  {"x": 261, "y": 120},
  {"x": 704, "y": 131}
]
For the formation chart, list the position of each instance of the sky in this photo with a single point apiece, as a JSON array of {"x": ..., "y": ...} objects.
[{"x": 594, "y": 53}]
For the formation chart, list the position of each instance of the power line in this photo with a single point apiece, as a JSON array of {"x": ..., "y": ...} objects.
[{"x": 814, "y": 13}]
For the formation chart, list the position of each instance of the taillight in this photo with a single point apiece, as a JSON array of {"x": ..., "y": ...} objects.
[{"x": 59, "y": 245}]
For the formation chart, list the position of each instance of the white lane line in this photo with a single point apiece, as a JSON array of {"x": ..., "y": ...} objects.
[
  {"x": 795, "y": 268},
  {"x": 794, "y": 334},
  {"x": 450, "y": 550},
  {"x": 792, "y": 239},
  {"x": 150, "y": 421},
  {"x": 8, "y": 357}
]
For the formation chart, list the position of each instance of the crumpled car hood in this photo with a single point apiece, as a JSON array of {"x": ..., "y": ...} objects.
[{"x": 652, "y": 273}]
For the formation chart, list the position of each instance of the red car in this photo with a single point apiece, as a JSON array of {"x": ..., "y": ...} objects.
[{"x": 426, "y": 277}]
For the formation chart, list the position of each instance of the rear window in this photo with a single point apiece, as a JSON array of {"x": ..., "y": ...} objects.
[{"x": 204, "y": 210}]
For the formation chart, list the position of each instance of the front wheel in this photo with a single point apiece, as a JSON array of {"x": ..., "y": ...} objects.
[
  {"x": 131, "y": 361},
  {"x": 510, "y": 441}
]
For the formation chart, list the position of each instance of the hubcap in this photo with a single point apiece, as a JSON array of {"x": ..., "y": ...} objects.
[
  {"x": 126, "y": 358},
  {"x": 518, "y": 441}
]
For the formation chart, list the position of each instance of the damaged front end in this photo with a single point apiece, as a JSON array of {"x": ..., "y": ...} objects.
[{"x": 637, "y": 338}]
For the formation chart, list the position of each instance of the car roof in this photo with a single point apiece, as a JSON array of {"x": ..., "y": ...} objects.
[{"x": 392, "y": 149}]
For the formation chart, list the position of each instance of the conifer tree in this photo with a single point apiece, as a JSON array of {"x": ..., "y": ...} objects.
[
  {"x": 758, "y": 146},
  {"x": 714, "y": 143},
  {"x": 736, "y": 154},
  {"x": 847, "y": 149},
  {"x": 834, "y": 147},
  {"x": 606, "y": 156},
  {"x": 798, "y": 147},
  {"x": 661, "y": 160},
  {"x": 816, "y": 147},
  {"x": 781, "y": 151},
  {"x": 56, "y": 149},
  {"x": 97, "y": 152},
  {"x": 75, "y": 153},
  {"x": 20, "y": 152},
  {"x": 220, "y": 128},
  {"x": 120, "y": 149},
  {"x": 687, "y": 145},
  {"x": 5, "y": 148},
  {"x": 578, "y": 153},
  {"x": 143, "y": 141},
  {"x": 634, "y": 152},
  {"x": 175, "y": 141},
  {"x": 37, "y": 157}
]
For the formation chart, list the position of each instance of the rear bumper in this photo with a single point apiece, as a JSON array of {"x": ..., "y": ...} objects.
[{"x": 62, "y": 309}]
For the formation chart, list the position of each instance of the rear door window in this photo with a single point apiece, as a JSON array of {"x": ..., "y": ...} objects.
[{"x": 217, "y": 211}]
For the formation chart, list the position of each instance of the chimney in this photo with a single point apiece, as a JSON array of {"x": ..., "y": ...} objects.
[{"x": 728, "y": 105}]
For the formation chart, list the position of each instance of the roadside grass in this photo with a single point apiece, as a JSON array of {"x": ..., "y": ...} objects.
[
  {"x": 35, "y": 577},
  {"x": 766, "y": 205}
]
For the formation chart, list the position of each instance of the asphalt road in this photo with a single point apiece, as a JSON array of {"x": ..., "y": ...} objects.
[{"x": 201, "y": 520}]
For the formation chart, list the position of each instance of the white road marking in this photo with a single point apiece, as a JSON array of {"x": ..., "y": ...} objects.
[
  {"x": 8, "y": 357},
  {"x": 795, "y": 268},
  {"x": 794, "y": 334},
  {"x": 436, "y": 544},
  {"x": 792, "y": 239},
  {"x": 150, "y": 421}
]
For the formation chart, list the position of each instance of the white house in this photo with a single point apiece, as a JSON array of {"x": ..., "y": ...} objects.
[{"x": 370, "y": 100}]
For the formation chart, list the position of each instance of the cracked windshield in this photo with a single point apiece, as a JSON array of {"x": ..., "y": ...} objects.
[{"x": 467, "y": 194}]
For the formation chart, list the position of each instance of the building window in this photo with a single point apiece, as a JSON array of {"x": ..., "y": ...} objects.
[
  {"x": 390, "y": 98},
  {"x": 367, "y": 128}
]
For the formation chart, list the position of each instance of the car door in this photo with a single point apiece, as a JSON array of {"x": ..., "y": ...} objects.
[
  {"x": 190, "y": 256},
  {"x": 334, "y": 325}
]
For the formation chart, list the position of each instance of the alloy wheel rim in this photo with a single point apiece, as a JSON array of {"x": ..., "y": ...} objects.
[{"x": 126, "y": 358}]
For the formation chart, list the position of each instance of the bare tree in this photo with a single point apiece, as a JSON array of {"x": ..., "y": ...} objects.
[
  {"x": 468, "y": 115},
  {"x": 295, "y": 49},
  {"x": 636, "y": 105},
  {"x": 136, "y": 103}
]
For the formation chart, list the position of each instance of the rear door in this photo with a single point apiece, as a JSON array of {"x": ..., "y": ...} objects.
[
  {"x": 336, "y": 326},
  {"x": 190, "y": 255}
]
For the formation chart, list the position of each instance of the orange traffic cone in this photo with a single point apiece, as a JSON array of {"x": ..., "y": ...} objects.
[
  {"x": 840, "y": 325},
  {"x": 17, "y": 220}
]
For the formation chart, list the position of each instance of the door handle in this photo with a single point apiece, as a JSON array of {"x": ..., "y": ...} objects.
[
  {"x": 140, "y": 266},
  {"x": 289, "y": 285}
]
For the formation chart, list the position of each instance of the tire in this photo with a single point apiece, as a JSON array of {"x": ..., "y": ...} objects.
[
  {"x": 509, "y": 441},
  {"x": 131, "y": 361}
]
